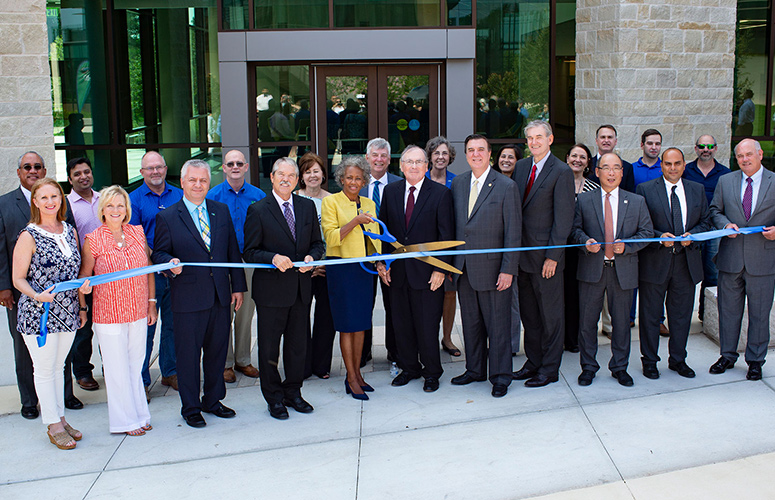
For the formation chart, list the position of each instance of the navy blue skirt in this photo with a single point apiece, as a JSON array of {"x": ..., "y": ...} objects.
[{"x": 351, "y": 292}]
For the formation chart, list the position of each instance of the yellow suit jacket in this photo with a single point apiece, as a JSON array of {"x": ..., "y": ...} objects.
[{"x": 337, "y": 210}]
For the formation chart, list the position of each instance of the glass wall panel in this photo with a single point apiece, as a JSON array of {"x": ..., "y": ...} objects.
[
  {"x": 459, "y": 13},
  {"x": 378, "y": 13},
  {"x": 347, "y": 112},
  {"x": 294, "y": 14},
  {"x": 407, "y": 111},
  {"x": 564, "y": 112},
  {"x": 750, "y": 87},
  {"x": 235, "y": 14},
  {"x": 512, "y": 65}
]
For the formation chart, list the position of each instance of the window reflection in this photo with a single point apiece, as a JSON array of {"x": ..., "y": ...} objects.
[
  {"x": 749, "y": 110},
  {"x": 359, "y": 14}
]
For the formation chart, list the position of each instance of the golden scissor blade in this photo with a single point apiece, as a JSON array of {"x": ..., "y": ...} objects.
[
  {"x": 427, "y": 247},
  {"x": 433, "y": 261}
]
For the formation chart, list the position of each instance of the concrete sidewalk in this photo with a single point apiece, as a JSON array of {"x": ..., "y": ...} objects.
[{"x": 711, "y": 436}]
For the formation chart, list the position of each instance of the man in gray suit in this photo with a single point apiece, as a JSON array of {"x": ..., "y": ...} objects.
[
  {"x": 678, "y": 207},
  {"x": 608, "y": 214},
  {"x": 546, "y": 187},
  {"x": 487, "y": 215},
  {"x": 14, "y": 216},
  {"x": 746, "y": 264}
]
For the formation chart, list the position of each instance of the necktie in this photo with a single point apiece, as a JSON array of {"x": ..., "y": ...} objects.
[
  {"x": 609, "y": 228},
  {"x": 204, "y": 228},
  {"x": 410, "y": 205},
  {"x": 675, "y": 204},
  {"x": 375, "y": 195},
  {"x": 288, "y": 213},
  {"x": 748, "y": 199},
  {"x": 472, "y": 196},
  {"x": 530, "y": 181}
]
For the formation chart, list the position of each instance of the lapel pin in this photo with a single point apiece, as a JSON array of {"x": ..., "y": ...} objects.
[
  {"x": 625, "y": 201},
  {"x": 489, "y": 185}
]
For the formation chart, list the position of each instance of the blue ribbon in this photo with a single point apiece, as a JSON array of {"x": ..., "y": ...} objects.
[{"x": 130, "y": 273}]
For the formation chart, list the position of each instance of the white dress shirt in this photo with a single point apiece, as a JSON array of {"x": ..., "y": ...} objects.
[
  {"x": 679, "y": 191},
  {"x": 757, "y": 183},
  {"x": 417, "y": 188},
  {"x": 381, "y": 183},
  {"x": 614, "y": 200}
]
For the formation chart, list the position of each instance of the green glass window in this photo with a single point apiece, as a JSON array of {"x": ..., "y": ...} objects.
[
  {"x": 378, "y": 13},
  {"x": 512, "y": 65},
  {"x": 459, "y": 13},
  {"x": 751, "y": 60},
  {"x": 294, "y": 14},
  {"x": 235, "y": 14}
]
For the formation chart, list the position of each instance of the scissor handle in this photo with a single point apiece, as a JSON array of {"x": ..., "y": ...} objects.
[
  {"x": 385, "y": 236},
  {"x": 387, "y": 264}
]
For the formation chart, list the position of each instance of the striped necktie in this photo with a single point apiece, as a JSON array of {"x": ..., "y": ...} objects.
[{"x": 204, "y": 228}]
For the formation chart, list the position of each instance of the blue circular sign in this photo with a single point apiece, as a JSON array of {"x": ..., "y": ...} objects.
[{"x": 414, "y": 124}]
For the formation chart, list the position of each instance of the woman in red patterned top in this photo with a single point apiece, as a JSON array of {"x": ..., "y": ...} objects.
[{"x": 122, "y": 309}]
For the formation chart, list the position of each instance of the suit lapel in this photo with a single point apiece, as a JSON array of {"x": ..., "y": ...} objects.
[
  {"x": 737, "y": 182},
  {"x": 418, "y": 204},
  {"x": 213, "y": 231},
  {"x": 662, "y": 195},
  {"x": 274, "y": 209},
  {"x": 765, "y": 186},
  {"x": 185, "y": 216},
  {"x": 484, "y": 191},
  {"x": 599, "y": 211},
  {"x": 540, "y": 178},
  {"x": 21, "y": 203},
  {"x": 623, "y": 205}
]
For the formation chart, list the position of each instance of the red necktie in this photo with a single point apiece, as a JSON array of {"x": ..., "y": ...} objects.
[
  {"x": 609, "y": 228},
  {"x": 409, "y": 205},
  {"x": 530, "y": 181}
]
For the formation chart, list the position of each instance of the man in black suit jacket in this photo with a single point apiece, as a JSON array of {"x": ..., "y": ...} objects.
[
  {"x": 280, "y": 229},
  {"x": 14, "y": 216},
  {"x": 613, "y": 271},
  {"x": 199, "y": 230},
  {"x": 606, "y": 139},
  {"x": 677, "y": 208},
  {"x": 416, "y": 211},
  {"x": 547, "y": 189}
]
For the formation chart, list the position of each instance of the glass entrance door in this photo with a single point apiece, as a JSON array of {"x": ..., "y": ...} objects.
[{"x": 357, "y": 103}]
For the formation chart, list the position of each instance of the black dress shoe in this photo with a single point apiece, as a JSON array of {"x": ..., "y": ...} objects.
[
  {"x": 720, "y": 366},
  {"x": 573, "y": 348},
  {"x": 222, "y": 411},
  {"x": 650, "y": 371},
  {"x": 195, "y": 420},
  {"x": 540, "y": 380},
  {"x": 586, "y": 377},
  {"x": 30, "y": 412},
  {"x": 524, "y": 374},
  {"x": 431, "y": 384},
  {"x": 754, "y": 371},
  {"x": 682, "y": 368},
  {"x": 403, "y": 378},
  {"x": 278, "y": 411},
  {"x": 623, "y": 377},
  {"x": 466, "y": 379},
  {"x": 499, "y": 390},
  {"x": 298, "y": 404},
  {"x": 73, "y": 403}
]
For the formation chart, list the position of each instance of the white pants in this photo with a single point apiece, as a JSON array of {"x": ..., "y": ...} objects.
[
  {"x": 48, "y": 365},
  {"x": 123, "y": 352}
]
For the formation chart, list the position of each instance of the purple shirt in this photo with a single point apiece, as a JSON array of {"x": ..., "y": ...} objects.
[{"x": 85, "y": 213}]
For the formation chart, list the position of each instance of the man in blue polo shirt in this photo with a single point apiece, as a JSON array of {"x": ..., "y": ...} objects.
[
  {"x": 238, "y": 195},
  {"x": 153, "y": 196},
  {"x": 707, "y": 171},
  {"x": 648, "y": 166}
]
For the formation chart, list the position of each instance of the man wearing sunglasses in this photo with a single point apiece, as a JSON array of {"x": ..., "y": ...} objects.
[
  {"x": 14, "y": 216},
  {"x": 707, "y": 171},
  {"x": 238, "y": 195}
]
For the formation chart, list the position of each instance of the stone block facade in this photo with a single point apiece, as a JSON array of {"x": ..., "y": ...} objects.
[
  {"x": 654, "y": 64},
  {"x": 26, "y": 121}
]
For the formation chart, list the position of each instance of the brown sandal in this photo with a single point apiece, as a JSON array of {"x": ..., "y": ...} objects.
[
  {"x": 147, "y": 427},
  {"x": 135, "y": 432},
  {"x": 61, "y": 440},
  {"x": 74, "y": 433}
]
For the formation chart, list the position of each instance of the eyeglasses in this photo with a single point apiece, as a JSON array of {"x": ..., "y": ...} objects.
[
  {"x": 706, "y": 146},
  {"x": 154, "y": 169},
  {"x": 610, "y": 169},
  {"x": 27, "y": 167},
  {"x": 233, "y": 164},
  {"x": 419, "y": 163}
]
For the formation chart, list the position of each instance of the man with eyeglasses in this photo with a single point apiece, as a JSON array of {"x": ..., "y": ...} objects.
[
  {"x": 378, "y": 157},
  {"x": 14, "y": 216},
  {"x": 603, "y": 217},
  {"x": 153, "y": 196},
  {"x": 707, "y": 171},
  {"x": 416, "y": 211},
  {"x": 238, "y": 195}
]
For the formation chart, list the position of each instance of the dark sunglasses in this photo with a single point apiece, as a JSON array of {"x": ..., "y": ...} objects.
[
  {"x": 233, "y": 164},
  {"x": 706, "y": 146},
  {"x": 29, "y": 167}
]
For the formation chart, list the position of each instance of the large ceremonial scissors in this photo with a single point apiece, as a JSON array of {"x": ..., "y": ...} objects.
[{"x": 419, "y": 247}]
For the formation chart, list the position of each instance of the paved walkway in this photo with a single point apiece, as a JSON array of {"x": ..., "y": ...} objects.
[{"x": 708, "y": 437}]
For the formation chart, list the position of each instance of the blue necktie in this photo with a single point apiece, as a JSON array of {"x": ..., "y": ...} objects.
[{"x": 375, "y": 195}]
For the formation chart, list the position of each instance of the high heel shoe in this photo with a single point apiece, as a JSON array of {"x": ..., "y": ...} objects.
[
  {"x": 360, "y": 397},
  {"x": 367, "y": 388}
]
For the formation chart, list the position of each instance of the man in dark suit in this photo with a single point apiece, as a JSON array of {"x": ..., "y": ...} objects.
[
  {"x": 547, "y": 190},
  {"x": 199, "y": 230},
  {"x": 608, "y": 214},
  {"x": 678, "y": 207},
  {"x": 606, "y": 139},
  {"x": 416, "y": 211},
  {"x": 378, "y": 156},
  {"x": 281, "y": 229},
  {"x": 746, "y": 264},
  {"x": 487, "y": 215},
  {"x": 14, "y": 216}
]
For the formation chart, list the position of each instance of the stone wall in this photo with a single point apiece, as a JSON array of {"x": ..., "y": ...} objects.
[
  {"x": 25, "y": 87},
  {"x": 655, "y": 64}
]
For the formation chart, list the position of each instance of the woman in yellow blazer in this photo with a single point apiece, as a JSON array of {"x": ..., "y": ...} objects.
[{"x": 344, "y": 217}]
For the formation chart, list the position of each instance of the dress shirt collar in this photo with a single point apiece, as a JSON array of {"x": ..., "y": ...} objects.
[
  {"x": 756, "y": 178},
  {"x": 614, "y": 194},
  {"x": 74, "y": 197},
  {"x": 280, "y": 201},
  {"x": 540, "y": 164},
  {"x": 192, "y": 207},
  {"x": 417, "y": 188},
  {"x": 481, "y": 178},
  {"x": 669, "y": 185}
]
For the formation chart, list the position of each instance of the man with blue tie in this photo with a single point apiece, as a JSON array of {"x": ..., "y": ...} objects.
[
  {"x": 746, "y": 264},
  {"x": 199, "y": 230},
  {"x": 378, "y": 156}
]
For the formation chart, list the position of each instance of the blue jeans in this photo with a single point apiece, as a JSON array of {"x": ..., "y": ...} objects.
[
  {"x": 709, "y": 271},
  {"x": 167, "y": 340}
]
